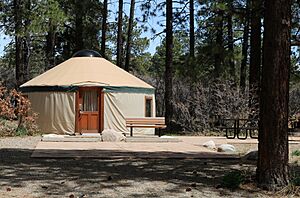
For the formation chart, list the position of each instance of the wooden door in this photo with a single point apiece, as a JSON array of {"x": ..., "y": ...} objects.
[{"x": 88, "y": 110}]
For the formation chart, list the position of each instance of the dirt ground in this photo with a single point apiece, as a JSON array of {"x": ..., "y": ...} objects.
[{"x": 22, "y": 176}]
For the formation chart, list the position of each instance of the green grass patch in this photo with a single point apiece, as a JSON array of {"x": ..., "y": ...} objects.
[
  {"x": 296, "y": 153},
  {"x": 21, "y": 132}
]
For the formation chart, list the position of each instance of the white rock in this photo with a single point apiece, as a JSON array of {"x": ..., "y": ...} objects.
[
  {"x": 226, "y": 148},
  {"x": 110, "y": 135},
  {"x": 209, "y": 144}
]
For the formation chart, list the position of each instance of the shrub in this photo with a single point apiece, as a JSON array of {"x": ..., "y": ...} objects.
[
  {"x": 232, "y": 180},
  {"x": 8, "y": 127},
  {"x": 16, "y": 116},
  {"x": 6, "y": 108}
]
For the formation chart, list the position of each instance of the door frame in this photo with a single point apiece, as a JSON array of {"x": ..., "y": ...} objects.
[{"x": 100, "y": 108}]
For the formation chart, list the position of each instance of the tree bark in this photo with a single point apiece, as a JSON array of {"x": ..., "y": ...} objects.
[
  {"x": 67, "y": 51},
  {"x": 18, "y": 43},
  {"x": 192, "y": 30},
  {"x": 230, "y": 44},
  {"x": 272, "y": 166},
  {"x": 255, "y": 58},
  {"x": 119, "y": 36},
  {"x": 50, "y": 46},
  {"x": 26, "y": 43},
  {"x": 26, "y": 55},
  {"x": 219, "y": 44},
  {"x": 169, "y": 65},
  {"x": 104, "y": 28},
  {"x": 129, "y": 35},
  {"x": 245, "y": 49},
  {"x": 79, "y": 45},
  {"x": 192, "y": 106}
]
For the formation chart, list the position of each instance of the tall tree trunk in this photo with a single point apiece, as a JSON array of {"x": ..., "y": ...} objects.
[
  {"x": 67, "y": 44},
  {"x": 26, "y": 55},
  {"x": 218, "y": 59},
  {"x": 230, "y": 45},
  {"x": 219, "y": 44},
  {"x": 79, "y": 45},
  {"x": 255, "y": 58},
  {"x": 129, "y": 35},
  {"x": 19, "y": 65},
  {"x": 18, "y": 42},
  {"x": 119, "y": 36},
  {"x": 272, "y": 166},
  {"x": 104, "y": 28},
  {"x": 26, "y": 42},
  {"x": 50, "y": 46},
  {"x": 192, "y": 73},
  {"x": 245, "y": 49},
  {"x": 169, "y": 64},
  {"x": 192, "y": 30}
]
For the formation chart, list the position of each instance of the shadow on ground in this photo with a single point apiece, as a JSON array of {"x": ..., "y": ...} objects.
[{"x": 95, "y": 176}]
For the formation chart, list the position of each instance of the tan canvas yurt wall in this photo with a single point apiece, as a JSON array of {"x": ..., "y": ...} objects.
[
  {"x": 56, "y": 111},
  {"x": 118, "y": 106}
]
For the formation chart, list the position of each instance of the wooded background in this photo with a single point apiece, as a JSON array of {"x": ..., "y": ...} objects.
[
  {"x": 216, "y": 59},
  {"x": 208, "y": 63}
]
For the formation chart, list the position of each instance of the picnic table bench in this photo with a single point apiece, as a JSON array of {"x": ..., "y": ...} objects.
[
  {"x": 149, "y": 122},
  {"x": 239, "y": 127}
]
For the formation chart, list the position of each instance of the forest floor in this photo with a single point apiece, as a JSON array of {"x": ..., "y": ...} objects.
[{"x": 23, "y": 176}]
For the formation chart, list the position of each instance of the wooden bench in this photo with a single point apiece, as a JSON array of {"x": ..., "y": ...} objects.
[{"x": 151, "y": 122}]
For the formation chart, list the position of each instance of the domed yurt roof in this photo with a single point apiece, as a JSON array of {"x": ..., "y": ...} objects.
[{"x": 86, "y": 68}]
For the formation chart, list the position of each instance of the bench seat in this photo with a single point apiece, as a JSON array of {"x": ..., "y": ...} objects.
[{"x": 151, "y": 122}]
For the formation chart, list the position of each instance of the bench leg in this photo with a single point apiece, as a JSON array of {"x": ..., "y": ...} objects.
[
  {"x": 159, "y": 132},
  {"x": 251, "y": 135},
  {"x": 131, "y": 131},
  {"x": 242, "y": 138},
  {"x": 229, "y": 137}
]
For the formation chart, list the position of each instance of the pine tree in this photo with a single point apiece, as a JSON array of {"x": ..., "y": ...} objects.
[{"x": 272, "y": 166}]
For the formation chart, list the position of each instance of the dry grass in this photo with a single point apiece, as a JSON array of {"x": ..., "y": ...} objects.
[{"x": 289, "y": 191}]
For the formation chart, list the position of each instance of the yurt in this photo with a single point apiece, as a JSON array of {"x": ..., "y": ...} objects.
[{"x": 86, "y": 94}]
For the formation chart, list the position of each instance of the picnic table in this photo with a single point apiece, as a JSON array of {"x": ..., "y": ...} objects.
[{"x": 239, "y": 128}]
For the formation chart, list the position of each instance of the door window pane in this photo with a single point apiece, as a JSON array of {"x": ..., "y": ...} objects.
[{"x": 90, "y": 100}]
